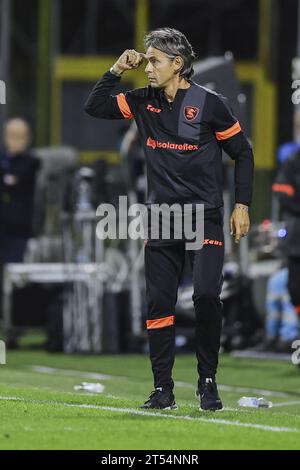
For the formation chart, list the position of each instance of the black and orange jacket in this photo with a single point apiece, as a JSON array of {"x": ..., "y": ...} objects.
[
  {"x": 287, "y": 189},
  {"x": 287, "y": 185},
  {"x": 182, "y": 140}
]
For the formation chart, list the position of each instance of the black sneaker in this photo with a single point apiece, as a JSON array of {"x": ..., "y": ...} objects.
[
  {"x": 162, "y": 399},
  {"x": 208, "y": 396}
]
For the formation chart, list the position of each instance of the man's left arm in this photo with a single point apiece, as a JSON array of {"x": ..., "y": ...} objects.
[
  {"x": 23, "y": 173},
  {"x": 229, "y": 134}
]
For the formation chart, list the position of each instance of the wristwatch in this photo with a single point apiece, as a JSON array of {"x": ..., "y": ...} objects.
[{"x": 114, "y": 73}]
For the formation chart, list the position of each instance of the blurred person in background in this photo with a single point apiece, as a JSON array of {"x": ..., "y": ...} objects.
[
  {"x": 287, "y": 189},
  {"x": 183, "y": 128},
  {"x": 281, "y": 317},
  {"x": 18, "y": 171}
]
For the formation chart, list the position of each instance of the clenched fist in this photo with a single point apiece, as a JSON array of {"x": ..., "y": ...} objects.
[{"x": 130, "y": 59}]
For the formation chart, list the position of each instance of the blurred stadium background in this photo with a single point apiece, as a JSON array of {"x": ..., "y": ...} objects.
[{"x": 73, "y": 293}]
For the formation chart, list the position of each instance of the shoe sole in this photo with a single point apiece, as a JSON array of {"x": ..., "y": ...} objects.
[
  {"x": 172, "y": 407},
  {"x": 212, "y": 409}
]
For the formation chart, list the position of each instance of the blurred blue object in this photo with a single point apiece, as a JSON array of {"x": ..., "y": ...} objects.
[
  {"x": 282, "y": 233},
  {"x": 281, "y": 318},
  {"x": 287, "y": 150}
]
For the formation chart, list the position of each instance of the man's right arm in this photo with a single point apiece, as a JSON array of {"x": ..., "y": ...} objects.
[{"x": 100, "y": 103}]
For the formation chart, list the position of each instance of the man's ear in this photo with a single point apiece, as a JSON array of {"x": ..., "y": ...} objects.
[{"x": 178, "y": 63}]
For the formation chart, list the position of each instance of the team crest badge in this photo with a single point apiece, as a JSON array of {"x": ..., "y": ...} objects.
[{"x": 191, "y": 112}]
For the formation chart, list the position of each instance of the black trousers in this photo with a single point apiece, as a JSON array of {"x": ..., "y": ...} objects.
[
  {"x": 163, "y": 267},
  {"x": 294, "y": 281}
]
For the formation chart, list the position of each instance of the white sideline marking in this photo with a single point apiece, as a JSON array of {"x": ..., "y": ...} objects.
[
  {"x": 155, "y": 414},
  {"x": 266, "y": 393},
  {"x": 73, "y": 373},
  {"x": 95, "y": 375}
]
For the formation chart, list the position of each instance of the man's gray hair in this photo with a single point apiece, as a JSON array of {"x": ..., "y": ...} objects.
[{"x": 173, "y": 43}]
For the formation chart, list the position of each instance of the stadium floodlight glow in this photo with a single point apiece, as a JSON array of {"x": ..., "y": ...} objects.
[
  {"x": 2, "y": 92},
  {"x": 282, "y": 233}
]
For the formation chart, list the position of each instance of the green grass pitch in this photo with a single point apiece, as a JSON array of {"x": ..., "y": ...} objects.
[{"x": 39, "y": 408}]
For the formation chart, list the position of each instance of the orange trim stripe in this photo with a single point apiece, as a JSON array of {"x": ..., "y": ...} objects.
[
  {"x": 160, "y": 322},
  {"x": 124, "y": 107},
  {"x": 283, "y": 188},
  {"x": 235, "y": 129},
  {"x": 297, "y": 307}
]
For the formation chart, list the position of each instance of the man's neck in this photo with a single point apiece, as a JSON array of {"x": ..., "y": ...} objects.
[{"x": 171, "y": 89}]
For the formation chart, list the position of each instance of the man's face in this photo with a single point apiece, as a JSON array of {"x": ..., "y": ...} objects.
[
  {"x": 16, "y": 136},
  {"x": 160, "y": 68}
]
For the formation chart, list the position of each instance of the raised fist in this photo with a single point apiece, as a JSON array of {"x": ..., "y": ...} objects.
[{"x": 130, "y": 59}]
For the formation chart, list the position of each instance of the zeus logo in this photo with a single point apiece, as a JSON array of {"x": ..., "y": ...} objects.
[
  {"x": 154, "y": 110},
  {"x": 2, "y": 353},
  {"x": 296, "y": 354},
  {"x": 2, "y": 92}
]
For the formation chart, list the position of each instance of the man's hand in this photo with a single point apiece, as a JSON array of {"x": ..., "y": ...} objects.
[
  {"x": 130, "y": 59},
  {"x": 10, "y": 180},
  {"x": 239, "y": 222}
]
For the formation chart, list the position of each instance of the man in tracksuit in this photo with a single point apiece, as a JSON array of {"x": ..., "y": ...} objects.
[
  {"x": 287, "y": 189},
  {"x": 182, "y": 128}
]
